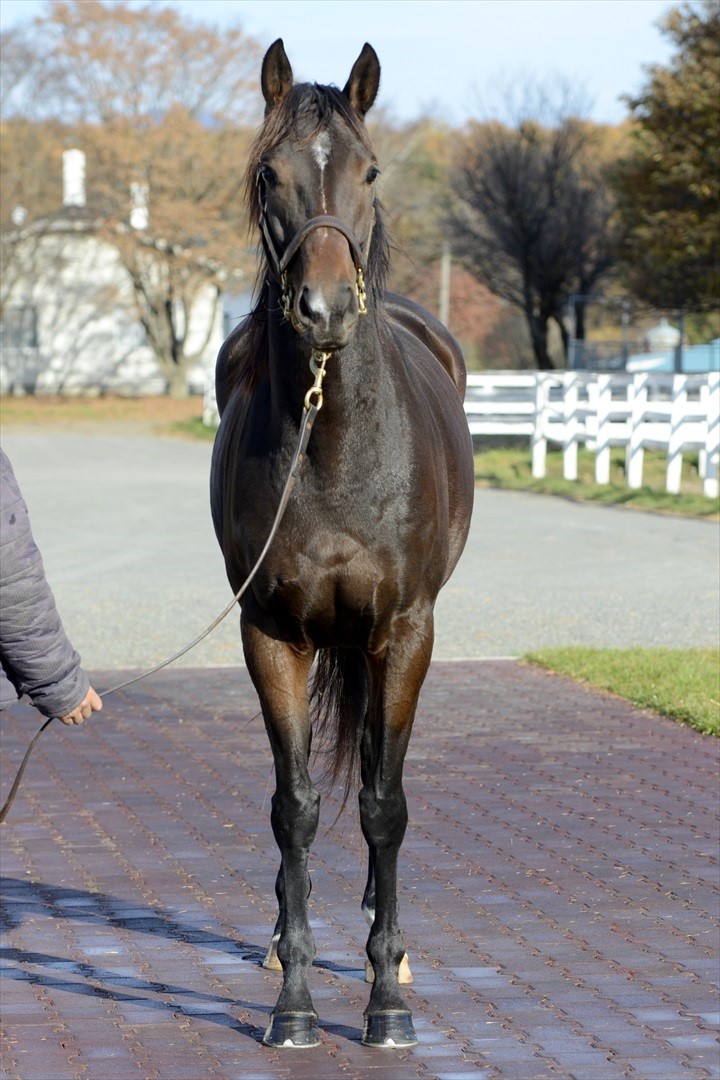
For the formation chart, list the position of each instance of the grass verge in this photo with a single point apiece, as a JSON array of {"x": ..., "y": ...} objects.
[
  {"x": 681, "y": 683},
  {"x": 82, "y": 412},
  {"x": 511, "y": 468},
  {"x": 192, "y": 428}
]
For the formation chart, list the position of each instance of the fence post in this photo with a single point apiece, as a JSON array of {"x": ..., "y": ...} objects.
[
  {"x": 705, "y": 409},
  {"x": 603, "y": 398},
  {"x": 570, "y": 424},
  {"x": 539, "y": 442},
  {"x": 634, "y": 455},
  {"x": 673, "y": 471},
  {"x": 712, "y": 438}
]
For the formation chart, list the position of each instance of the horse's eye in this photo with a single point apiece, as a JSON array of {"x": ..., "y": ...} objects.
[
  {"x": 372, "y": 174},
  {"x": 267, "y": 175}
]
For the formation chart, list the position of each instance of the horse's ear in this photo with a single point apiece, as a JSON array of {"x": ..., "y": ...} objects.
[
  {"x": 362, "y": 86},
  {"x": 276, "y": 78}
]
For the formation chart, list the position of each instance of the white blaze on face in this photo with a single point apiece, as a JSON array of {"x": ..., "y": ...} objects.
[{"x": 321, "y": 152}]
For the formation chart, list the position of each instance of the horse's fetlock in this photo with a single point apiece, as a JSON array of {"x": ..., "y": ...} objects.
[
  {"x": 294, "y": 953},
  {"x": 385, "y": 947}
]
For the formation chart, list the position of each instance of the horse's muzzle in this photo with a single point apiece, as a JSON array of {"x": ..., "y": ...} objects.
[{"x": 326, "y": 316}]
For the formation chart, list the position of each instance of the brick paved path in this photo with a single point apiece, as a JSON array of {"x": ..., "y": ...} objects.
[{"x": 559, "y": 886}]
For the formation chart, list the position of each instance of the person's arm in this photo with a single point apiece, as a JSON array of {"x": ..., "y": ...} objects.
[{"x": 36, "y": 653}]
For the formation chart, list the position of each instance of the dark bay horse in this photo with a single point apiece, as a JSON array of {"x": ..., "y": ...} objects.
[{"x": 374, "y": 527}]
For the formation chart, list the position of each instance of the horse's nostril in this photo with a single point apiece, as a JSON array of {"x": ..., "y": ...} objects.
[
  {"x": 312, "y": 306},
  {"x": 304, "y": 305},
  {"x": 346, "y": 299}
]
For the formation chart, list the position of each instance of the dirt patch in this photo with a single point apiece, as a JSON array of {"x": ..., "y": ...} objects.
[{"x": 101, "y": 414}]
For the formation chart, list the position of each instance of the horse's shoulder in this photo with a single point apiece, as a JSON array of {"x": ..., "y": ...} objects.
[{"x": 426, "y": 328}]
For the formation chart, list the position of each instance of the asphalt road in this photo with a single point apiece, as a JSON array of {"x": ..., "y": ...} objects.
[{"x": 123, "y": 522}]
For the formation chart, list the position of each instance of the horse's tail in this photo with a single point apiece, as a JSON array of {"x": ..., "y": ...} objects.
[{"x": 339, "y": 701}]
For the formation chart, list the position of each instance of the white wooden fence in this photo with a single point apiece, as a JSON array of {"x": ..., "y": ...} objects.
[{"x": 674, "y": 413}]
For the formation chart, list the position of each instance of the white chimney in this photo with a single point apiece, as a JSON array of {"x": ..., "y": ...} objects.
[
  {"x": 73, "y": 178},
  {"x": 139, "y": 218}
]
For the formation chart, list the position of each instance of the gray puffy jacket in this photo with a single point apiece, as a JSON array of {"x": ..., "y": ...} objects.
[{"x": 36, "y": 657}]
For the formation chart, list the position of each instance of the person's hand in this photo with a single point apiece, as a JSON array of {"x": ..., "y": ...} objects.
[{"x": 91, "y": 703}]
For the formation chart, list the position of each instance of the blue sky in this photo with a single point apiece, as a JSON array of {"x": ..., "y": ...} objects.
[{"x": 446, "y": 54}]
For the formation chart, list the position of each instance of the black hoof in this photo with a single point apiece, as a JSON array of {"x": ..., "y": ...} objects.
[
  {"x": 295, "y": 1030},
  {"x": 389, "y": 1029}
]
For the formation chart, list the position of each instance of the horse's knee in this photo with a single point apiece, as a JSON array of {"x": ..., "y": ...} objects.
[
  {"x": 383, "y": 818},
  {"x": 295, "y": 816}
]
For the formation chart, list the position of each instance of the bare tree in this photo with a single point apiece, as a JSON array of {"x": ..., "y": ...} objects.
[{"x": 533, "y": 217}]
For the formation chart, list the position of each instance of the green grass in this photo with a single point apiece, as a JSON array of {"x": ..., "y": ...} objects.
[
  {"x": 511, "y": 468},
  {"x": 193, "y": 429},
  {"x": 681, "y": 683}
]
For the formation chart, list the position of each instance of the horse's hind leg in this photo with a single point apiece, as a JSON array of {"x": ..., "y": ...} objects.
[
  {"x": 396, "y": 683},
  {"x": 280, "y": 676}
]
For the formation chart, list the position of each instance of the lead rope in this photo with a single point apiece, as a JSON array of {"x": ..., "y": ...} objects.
[{"x": 312, "y": 406}]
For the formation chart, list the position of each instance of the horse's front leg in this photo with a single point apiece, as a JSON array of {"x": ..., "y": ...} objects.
[
  {"x": 280, "y": 675},
  {"x": 396, "y": 682}
]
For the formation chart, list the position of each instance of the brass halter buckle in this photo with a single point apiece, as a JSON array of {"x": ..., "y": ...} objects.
[
  {"x": 318, "y": 360},
  {"x": 360, "y": 291},
  {"x": 286, "y": 303}
]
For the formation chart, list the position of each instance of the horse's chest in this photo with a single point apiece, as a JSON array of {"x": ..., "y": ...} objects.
[
  {"x": 354, "y": 548},
  {"x": 332, "y": 587}
]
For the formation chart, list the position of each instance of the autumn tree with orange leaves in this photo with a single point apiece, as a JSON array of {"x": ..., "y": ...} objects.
[{"x": 162, "y": 108}]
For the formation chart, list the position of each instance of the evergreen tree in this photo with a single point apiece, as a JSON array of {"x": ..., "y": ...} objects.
[{"x": 668, "y": 186}]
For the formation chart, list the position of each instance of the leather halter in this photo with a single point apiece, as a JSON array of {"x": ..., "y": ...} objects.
[{"x": 279, "y": 263}]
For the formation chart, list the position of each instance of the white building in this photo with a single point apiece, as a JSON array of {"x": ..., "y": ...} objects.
[{"x": 70, "y": 324}]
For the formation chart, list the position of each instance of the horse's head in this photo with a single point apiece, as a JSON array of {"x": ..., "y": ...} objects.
[{"x": 311, "y": 186}]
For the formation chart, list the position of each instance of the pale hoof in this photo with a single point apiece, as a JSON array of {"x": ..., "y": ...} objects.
[
  {"x": 272, "y": 961},
  {"x": 405, "y": 976},
  {"x": 404, "y": 973}
]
